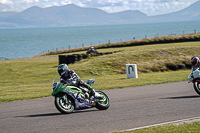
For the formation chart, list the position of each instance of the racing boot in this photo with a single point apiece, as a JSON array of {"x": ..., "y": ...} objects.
[{"x": 95, "y": 94}]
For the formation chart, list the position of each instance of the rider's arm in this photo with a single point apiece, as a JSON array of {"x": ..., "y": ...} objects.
[
  {"x": 66, "y": 79},
  {"x": 76, "y": 78},
  {"x": 62, "y": 80},
  {"x": 193, "y": 69},
  {"x": 72, "y": 78},
  {"x": 192, "y": 72}
]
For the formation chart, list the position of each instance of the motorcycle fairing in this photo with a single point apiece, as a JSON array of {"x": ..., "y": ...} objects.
[{"x": 74, "y": 92}]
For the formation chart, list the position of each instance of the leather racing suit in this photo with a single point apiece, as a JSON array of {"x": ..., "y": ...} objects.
[{"x": 71, "y": 78}]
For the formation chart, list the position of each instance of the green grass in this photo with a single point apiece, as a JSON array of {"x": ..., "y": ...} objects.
[
  {"x": 148, "y": 58},
  {"x": 170, "y": 128},
  {"x": 32, "y": 78}
]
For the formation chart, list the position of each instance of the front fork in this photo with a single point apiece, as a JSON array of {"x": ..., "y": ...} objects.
[{"x": 64, "y": 99}]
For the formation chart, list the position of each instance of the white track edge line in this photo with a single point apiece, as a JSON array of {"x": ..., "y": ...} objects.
[{"x": 183, "y": 120}]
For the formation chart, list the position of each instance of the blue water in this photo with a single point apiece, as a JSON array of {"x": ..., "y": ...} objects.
[{"x": 20, "y": 43}]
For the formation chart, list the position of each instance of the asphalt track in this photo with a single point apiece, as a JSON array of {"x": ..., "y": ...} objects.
[{"x": 130, "y": 108}]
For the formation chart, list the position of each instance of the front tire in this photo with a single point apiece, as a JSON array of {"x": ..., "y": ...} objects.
[
  {"x": 102, "y": 104},
  {"x": 197, "y": 87},
  {"x": 64, "y": 104}
]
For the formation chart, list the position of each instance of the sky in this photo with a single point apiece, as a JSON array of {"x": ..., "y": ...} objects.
[{"x": 149, "y": 7}]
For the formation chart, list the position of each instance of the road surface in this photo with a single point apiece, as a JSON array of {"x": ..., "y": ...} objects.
[{"x": 129, "y": 108}]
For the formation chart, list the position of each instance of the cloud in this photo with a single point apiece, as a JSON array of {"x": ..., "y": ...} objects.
[{"x": 150, "y": 7}]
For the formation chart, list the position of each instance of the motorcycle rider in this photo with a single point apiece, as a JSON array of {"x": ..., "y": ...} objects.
[
  {"x": 71, "y": 78},
  {"x": 195, "y": 64}
]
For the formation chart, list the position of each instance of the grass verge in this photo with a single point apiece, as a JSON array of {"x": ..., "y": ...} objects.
[
  {"x": 32, "y": 78},
  {"x": 171, "y": 128}
]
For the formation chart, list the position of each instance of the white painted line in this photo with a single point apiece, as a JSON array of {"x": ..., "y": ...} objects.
[{"x": 174, "y": 122}]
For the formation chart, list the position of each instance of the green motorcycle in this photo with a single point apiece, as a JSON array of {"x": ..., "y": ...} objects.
[{"x": 70, "y": 98}]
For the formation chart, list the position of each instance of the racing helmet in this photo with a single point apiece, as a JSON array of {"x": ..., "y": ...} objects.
[
  {"x": 62, "y": 69},
  {"x": 194, "y": 61}
]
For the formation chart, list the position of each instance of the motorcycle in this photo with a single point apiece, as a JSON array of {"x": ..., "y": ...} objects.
[
  {"x": 195, "y": 79},
  {"x": 69, "y": 98}
]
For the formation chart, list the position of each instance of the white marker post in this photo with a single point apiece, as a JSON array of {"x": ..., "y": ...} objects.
[{"x": 131, "y": 70}]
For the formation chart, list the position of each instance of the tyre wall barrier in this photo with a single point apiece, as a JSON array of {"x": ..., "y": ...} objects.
[
  {"x": 178, "y": 67},
  {"x": 70, "y": 59},
  {"x": 62, "y": 59},
  {"x": 172, "y": 67},
  {"x": 181, "y": 66},
  {"x": 188, "y": 66}
]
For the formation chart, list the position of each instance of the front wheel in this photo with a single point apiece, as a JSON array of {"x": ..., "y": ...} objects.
[
  {"x": 64, "y": 104},
  {"x": 102, "y": 104},
  {"x": 197, "y": 87}
]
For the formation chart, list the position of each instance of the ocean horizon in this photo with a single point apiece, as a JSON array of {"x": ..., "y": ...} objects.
[{"x": 22, "y": 43}]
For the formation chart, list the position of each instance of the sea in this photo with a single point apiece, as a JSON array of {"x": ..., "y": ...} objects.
[{"x": 29, "y": 42}]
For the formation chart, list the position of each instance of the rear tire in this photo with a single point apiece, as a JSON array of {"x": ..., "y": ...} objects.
[
  {"x": 64, "y": 104},
  {"x": 102, "y": 104},
  {"x": 197, "y": 87}
]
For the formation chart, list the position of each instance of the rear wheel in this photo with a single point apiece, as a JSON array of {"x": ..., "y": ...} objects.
[
  {"x": 197, "y": 87},
  {"x": 102, "y": 104},
  {"x": 64, "y": 104}
]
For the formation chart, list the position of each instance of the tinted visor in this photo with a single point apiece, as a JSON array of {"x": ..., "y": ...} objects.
[
  {"x": 194, "y": 62},
  {"x": 60, "y": 71}
]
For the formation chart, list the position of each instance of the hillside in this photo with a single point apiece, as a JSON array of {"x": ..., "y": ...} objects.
[
  {"x": 72, "y": 15},
  {"x": 69, "y": 15},
  {"x": 190, "y": 13}
]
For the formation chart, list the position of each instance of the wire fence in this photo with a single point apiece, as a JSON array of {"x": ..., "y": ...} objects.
[
  {"x": 109, "y": 41},
  {"x": 68, "y": 47},
  {"x": 3, "y": 58}
]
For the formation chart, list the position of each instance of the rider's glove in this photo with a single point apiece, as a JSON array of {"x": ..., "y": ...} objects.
[
  {"x": 62, "y": 81},
  {"x": 80, "y": 81}
]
